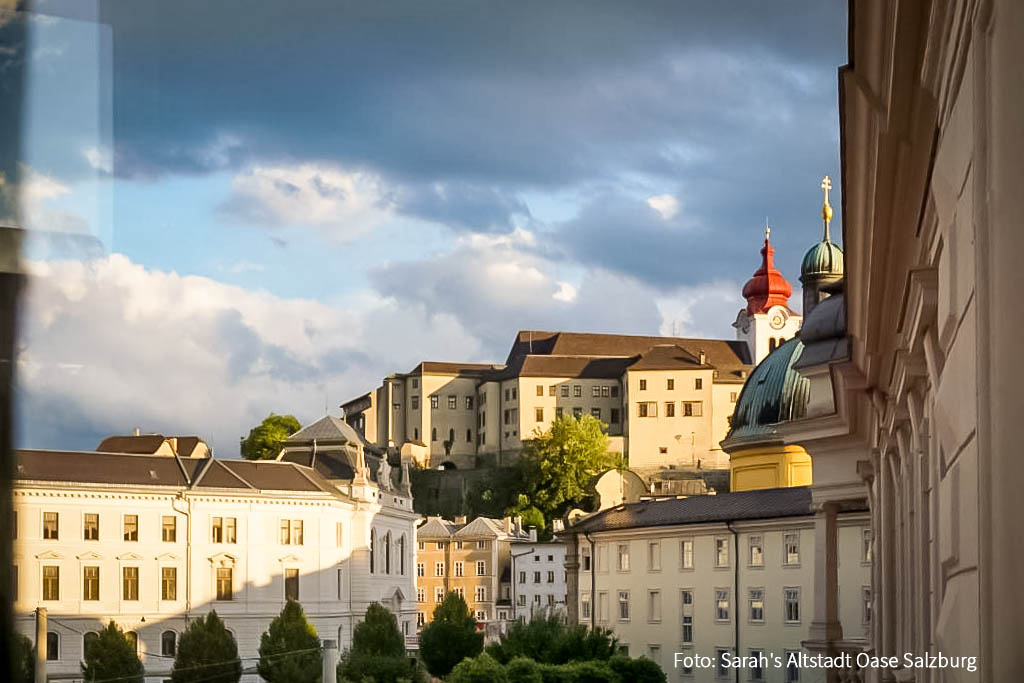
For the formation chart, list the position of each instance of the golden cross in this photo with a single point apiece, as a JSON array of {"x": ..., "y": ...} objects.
[
  {"x": 826, "y": 209},
  {"x": 767, "y": 230},
  {"x": 826, "y": 184}
]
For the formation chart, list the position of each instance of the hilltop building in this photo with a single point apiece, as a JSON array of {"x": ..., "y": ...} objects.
[
  {"x": 151, "y": 531},
  {"x": 667, "y": 401}
]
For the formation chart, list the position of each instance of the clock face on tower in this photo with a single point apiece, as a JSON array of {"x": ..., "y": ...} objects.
[{"x": 777, "y": 320}]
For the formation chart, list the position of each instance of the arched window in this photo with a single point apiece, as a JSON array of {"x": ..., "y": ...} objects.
[
  {"x": 168, "y": 643},
  {"x": 771, "y": 344},
  {"x": 133, "y": 638},
  {"x": 52, "y": 646},
  {"x": 88, "y": 638},
  {"x": 433, "y": 434},
  {"x": 373, "y": 550},
  {"x": 451, "y": 436},
  {"x": 341, "y": 631},
  {"x": 401, "y": 555},
  {"x": 387, "y": 553}
]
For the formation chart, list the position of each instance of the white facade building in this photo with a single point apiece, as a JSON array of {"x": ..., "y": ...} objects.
[
  {"x": 151, "y": 541},
  {"x": 538, "y": 579},
  {"x": 709, "y": 575}
]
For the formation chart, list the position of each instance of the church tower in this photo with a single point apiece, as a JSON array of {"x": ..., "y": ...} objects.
[
  {"x": 822, "y": 266},
  {"x": 767, "y": 320}
]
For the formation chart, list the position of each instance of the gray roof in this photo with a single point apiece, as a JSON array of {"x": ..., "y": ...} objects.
[
  {"x": 742, "y": 505},
  {"x": 824, "y": 333},
  {"x": 327, "y": 428}
]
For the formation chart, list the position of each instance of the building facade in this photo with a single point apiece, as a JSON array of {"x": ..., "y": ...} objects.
[
  {"x": 151, "y": 539},
  {"x": 538, "y": 576}
]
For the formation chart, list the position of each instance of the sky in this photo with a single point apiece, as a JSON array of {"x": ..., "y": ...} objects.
[{"x": 236, "y": 208}]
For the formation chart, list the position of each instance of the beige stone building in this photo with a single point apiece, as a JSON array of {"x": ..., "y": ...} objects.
[
  {"x": 473, "y": 560},
  {"x": 915, "y": 372}
]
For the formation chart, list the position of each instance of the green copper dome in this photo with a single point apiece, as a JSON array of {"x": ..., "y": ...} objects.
[
  {"x": 824, "y": 259},
  {"x": 773, "y": 393}
]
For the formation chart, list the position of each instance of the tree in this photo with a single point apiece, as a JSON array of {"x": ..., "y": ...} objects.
[
  {"x": 450, "y": 637},
  {"x": 23, "y": 659},
  {"x": 557, "y": 466},
  {"x": 264, "y": 441},
  {"x": 377, "y": 654},
  {"x": 207, "y": 652},
  {"x": 289, "y": 649},
  {"x": 112, "y": 655},
  {"x": 548, "y": 641},
  {"x": 482, "y": 669}
]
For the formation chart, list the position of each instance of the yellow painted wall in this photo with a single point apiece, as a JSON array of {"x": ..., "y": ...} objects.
[{"x": 767, "y": 467}]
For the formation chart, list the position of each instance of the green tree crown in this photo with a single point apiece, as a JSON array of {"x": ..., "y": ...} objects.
[
  {"x": 290, "y": 649},
  {"x": 377, "y": 654},
  {"x": 265, "y": 440},
  {"x": 450, "y": 637},
  {"x": 23, "y": 659},
  {"x": 112, "y": 655},
  {"x": 207, "y": 653},
  {"x": 548, "y": 641}
]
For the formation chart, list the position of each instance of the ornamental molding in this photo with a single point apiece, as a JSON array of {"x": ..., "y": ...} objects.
[
  {"x": 50, "y": 555},
  {"x": 223, "y": 560},
  {"x": 289, "y": 559},
  {"x": 167, "y": 557},
  {"x": 89, "y": 556},
  {"x": 130, "y": 557}
]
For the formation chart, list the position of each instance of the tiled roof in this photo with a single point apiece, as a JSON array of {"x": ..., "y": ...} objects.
[
  {"x": 145, "y": 444},
  {"x": 742, "y": 505},
  {"x": 332, "y": 464},
  {"x": 103, "y": 468},
  {"x": 436, "y": 527},
  {"x": 327, "y": 428},
  {"x": 444, "y": 368},
  {"x": 774, "y": 393},
  {"x": 481, "y": 527},
  {"x": 667, "y": 357},
  {"x": 583, "y": 367}
]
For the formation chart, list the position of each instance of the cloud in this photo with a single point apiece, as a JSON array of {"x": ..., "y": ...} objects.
[
  {"x": 665, "y": 204},
  {"x": 100, "y": 158}
]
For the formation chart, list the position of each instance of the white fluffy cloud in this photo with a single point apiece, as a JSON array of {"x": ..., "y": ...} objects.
[{"x": 665, "y": 204}]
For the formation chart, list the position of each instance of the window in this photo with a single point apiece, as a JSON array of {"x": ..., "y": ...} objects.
[
  {"x": 551, "y": 599},
  {"x": 133, "y": 639},
  {"x": 654, "y": 556},
  {"x": 481, "y": 594},
  {"x": 421, "y": 595},
  {"x": 291, "y": 532},
  {"x": 458, "y": 569},
  {"x": 420, "y": 569},
  {"x": 401, "y": 555},
  {"x": 439, "y": 569},
  {"x": 339, "y": 534},
  {"x": 654, "y": 606},
  {"x": 341, "y": 583},
  {"x": 792, "y": 668},
  {"x": 756, "y": 551},
  {"x": 469, "y": 436},
  {"x": 88, "y": 639},
  {"x": 791, "y": 605},
  {"x": 131, "y": 527},
  {"x": 551, "y": 577},
  {"x": 647, "y": 409},
  {"x": 168, "y": 643},
  {"x": 758, "y": 661},
  {"x": 440, "y": 545},
  {"x": 565, "y": 391},
  {"x": 865, "y": 545},
  {"x": 670, "y": 409},
  {"x": 623, "y": 605},
  {"x": 230, "y": 524},
  {"x": 732, "y": 396},
  {"x": 513, "y": 393},
  {"x": 373, "y": 551},
  {"x": 605, "y": 391},
  {"x": 224, "y": 583},
  {"x": 460, "y": 591},
  {"x": 585, "y": 605},
  {"x": 643, "y": 385},
  {"x": 50, "y": 525},
  {"x": 721, "y": 552},
  {"x": 615, "y": 416},
  {"x": 433, "y": 433},
  {"x": 539, "y": 414},
  {"x": 438, "y": 594},
  {"x": 433, "y": 401},
  {"x": 602, "y": 606},
  {"x": 52, "y": 646},
  {"x": 453, "y": 402},
  {"x": 521, "y": 600},
  {"x": 553, "y": 390},
  {"x": 481, "y": 545},
  {"x": 756, "y": 601},
  {"x": 615, "y": 391},
  {"x": 623, "y": 565},
  {"x": 585, "y": 559},
  {"x": 865, "y": 601},
  {"x": 791, "y": 548},
  {"x": 721, "y": 604},
  {"x": 130, "y": 583},
  {"x": 51, "y": 583},
  {"x": 686, "y": 662},
  {"x": 222, "y": 529},
  {"x": 91, "y": 526},
  {"x": 693, "y": 408},
  {"x": 536, "y": 599},
  {"x": 469, "y": 403},
  {"x": 540, "y": 390},
  {"x": 168, "y": 583},
  {"x": 90, "y": 583},
  {"x": 577, "y": 390},
  {"x": 415, "y": 385},
  {"x": 687, "y": 611},
  {"x": 536, "y": 577},
  {"x": 596, "y": 412},
  {"x": 421, "y": 619},
  {"x": 480, "y": 615},
  {"x": 291, "y": 584},
  {"x": 698, "y": 383},
  {"x": 595, "y": 391},
  {"x": 415, "y": 400},
  {"x": 169, "y": 529},
  {"x": 481, "y": 568},
  {"x": 577, "y": 412}
]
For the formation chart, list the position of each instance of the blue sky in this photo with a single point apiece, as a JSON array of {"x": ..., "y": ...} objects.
[{"x": 240, "y": 208}]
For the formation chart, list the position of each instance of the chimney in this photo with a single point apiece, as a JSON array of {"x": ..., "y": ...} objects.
[
  {"x": 557, "y": 525},
  {"x": 137, "y": 432},
  {"x": 703, "y": 357},
  {"x": 460, "y": 519},
  {"x": 533, "y": 534},
  {"x": 519, "y": 525},
  {"x": 508, "y": 525}
]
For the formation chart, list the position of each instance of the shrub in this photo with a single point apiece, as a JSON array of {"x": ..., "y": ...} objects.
[
  {"x": 112, "y": 656},
  {"x": 378, "y": 654},
  {"x": 289, "y": 649},
  {"x": 450, "y": 637},
  {"x": 480, "y": 669},
  {"x": 641, "y": 670},
  {"x": 207, "y": 653},
  {"x": 523, "y": 670}
]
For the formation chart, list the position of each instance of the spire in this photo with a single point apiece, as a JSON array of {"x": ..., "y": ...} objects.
[
  {"x": 767, "y": 287},
  {"x": 826, "y": 208}
]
